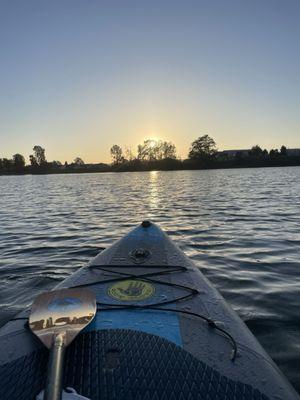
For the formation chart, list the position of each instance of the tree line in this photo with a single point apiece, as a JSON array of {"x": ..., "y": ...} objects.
[
  {"x": 37, "y": 163},
  {"x": 151, "y": 154},
  {"x": 203, "y": 153},
  {"x": 154, "y": 154}
]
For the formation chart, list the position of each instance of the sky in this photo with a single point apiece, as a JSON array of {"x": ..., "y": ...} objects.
[{"x": 77, "y": 76}]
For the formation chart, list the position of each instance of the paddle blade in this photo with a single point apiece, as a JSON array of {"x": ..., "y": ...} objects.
[{"x": 65, "y": 311}]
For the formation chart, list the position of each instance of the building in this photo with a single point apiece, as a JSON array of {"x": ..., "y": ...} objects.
[
  {"x": 233, "y": 153},
  {"x": 293, "y": 152}
]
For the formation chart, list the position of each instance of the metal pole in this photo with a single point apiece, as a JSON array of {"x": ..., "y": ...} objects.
[{"x": 55, "y": 369}]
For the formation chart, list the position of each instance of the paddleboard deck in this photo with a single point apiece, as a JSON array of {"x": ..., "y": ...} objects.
[{"x": 161, "y": 331}]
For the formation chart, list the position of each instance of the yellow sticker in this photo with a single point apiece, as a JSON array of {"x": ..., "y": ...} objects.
[{"x": 131, "y": 290}]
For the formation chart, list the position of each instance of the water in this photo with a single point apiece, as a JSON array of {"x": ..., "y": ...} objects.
[{"x": 240, "y": 226}]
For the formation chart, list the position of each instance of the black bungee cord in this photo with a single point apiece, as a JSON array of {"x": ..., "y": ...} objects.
[{"x": 148, "y": 277}]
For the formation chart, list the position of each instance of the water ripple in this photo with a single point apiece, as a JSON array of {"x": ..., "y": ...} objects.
[{"x": 241, "y": 227}]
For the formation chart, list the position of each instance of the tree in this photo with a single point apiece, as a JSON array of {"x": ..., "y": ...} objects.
[
  {"x": 19, "y": 162},
  {"x": 169, "y": 150},
  {"x": 56, "y": 163},
  {"x": 143, "y": 150},
  {"x": 116, "y": 154},
  {"x": 203, "y": 148},
  {"x": 129, "y": 154},
  {"x": 39, "y": 154},
  {"x": 154, "y": 150},
  {"x": 274, "y": 153},
  {"x": 78, "y": 161},
  {"x": 33, "y": 160},
  {"x": 7, "y": 164},
  {"x": 256, "y": 151},
  {"x": 148, "y": 150},
  {"x": 283, "y": 151}
]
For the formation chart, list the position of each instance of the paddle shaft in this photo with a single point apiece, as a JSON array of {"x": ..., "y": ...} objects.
[{"x": 55, "y": 369}]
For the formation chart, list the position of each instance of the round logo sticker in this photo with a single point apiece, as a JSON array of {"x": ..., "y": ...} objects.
[{"x": 131, "y": 290}]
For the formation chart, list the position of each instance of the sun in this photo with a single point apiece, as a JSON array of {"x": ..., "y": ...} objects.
[
  {"x": 153, "y": 140},
  {"x": 152, "y": 143}
]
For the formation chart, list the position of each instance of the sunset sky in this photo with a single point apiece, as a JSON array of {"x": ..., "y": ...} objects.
[{"x": 79, "y": 76}]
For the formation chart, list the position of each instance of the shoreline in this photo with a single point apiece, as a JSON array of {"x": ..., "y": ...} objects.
[{"x": 120, "y": 169}]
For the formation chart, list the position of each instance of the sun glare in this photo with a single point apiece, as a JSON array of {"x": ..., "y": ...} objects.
[{"x": 152, "y": 141}]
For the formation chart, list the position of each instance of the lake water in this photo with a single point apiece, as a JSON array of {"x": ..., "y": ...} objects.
[{"x": 241, "y": 227}]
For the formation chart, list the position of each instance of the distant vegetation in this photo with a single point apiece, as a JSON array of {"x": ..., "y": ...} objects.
[{"x": 156, "y": 155}]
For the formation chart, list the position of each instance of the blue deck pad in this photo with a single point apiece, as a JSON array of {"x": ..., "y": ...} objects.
[{"x": 163, "y": 324}]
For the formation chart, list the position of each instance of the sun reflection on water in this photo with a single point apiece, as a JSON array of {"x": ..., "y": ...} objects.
[{"x": 153, "y": 195}]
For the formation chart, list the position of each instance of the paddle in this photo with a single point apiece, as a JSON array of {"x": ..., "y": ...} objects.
[{"x": 56, "y": 319}]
